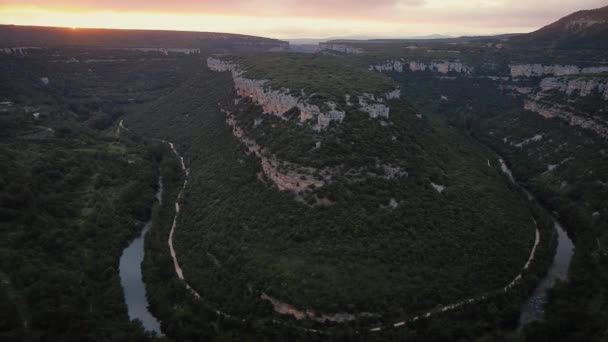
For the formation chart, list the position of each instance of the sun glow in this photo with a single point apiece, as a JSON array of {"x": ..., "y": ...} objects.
[{"x": 269, "y": 26}]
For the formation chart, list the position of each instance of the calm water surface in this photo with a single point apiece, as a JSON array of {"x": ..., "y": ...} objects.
[{"x": 132, "y": 281}]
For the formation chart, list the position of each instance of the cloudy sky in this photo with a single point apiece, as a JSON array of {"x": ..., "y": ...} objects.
[{"x": 299, "y": 18}]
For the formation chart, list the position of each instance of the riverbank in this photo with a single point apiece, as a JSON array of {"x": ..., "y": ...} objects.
[
  {"x": 534, "y": 308},
  {"x": 131, "y": 278}
]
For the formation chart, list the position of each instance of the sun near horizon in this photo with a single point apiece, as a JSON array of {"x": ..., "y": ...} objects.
[{"x": 292, "y": 19}]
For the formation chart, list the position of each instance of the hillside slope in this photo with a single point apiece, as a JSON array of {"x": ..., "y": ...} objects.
[
  {"x": 584, "y": 29},
  {"x": 37, "y": 36}
]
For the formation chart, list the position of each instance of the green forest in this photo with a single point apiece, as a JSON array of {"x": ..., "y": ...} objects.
[
  {"x": 250, "y": 238},
  {"x": 73, "y": 193},
  {"x": 573, "y": 188},
  {"x": 76, "y": 188}
]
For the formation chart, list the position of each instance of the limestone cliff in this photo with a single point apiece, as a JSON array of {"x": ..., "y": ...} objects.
[
  {"x": 167, "y": 51},
  {"x": 442, "y": 67},
  {"x": 568, "y": 114},
  {"x": 340, "y": 48},
  {"x": 581, "y": 86},
  {"x": 19, "y": 50},
  {"x": 376, "y": 109},
  {"x": 542, "y": 82},
  {"x": 278, "y": 102},
  {"x": 295, "y": 177},
  {"x": 288, "y": 176},
  {"x": 538, "y": 70}
]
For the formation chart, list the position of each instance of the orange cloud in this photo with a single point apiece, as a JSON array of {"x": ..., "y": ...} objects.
[
  {"x": 317, "y": 8},
  {"x": 298, "y": 18}
]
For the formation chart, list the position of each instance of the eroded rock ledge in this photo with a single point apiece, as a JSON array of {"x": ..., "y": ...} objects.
[
  {"x": 287, "y": 176},
  {"x": 295, "y": 178},
  {"x": 568, "y": 114},
  {"x": 442, "y": 67},
  {"x": 581, "y": 86},
  {"x": 278, "y": 102},
  {"x": 19, "y": 50},
  {"x": 538, "y": 70},
  {"x": 340, "y": 48},
  {"x": 289, "y": 310},
  {"x": 542, "y": 101}
]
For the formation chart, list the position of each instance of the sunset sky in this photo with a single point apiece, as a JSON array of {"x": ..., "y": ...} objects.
[{"x": 297, "y": 18}]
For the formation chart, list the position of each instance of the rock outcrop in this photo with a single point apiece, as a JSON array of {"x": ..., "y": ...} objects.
[
  {"x": 442, "y": 67},
  {"x": 19, "y": 50},
  {"x": 340, "y": 48},
  {"x": 581, "y": 86},
  {"x": 296, "y": 178},
  {"x": 539, "y": 70},
  {"x": 578, "y": 25},
  {"x": 567, "y": 114},
  {"x": 544, "y": 81},
  {"x": 167, "y": 51},
  {"x": 289, "y": 310},
  {"x": 368, "y": 103},
  {"x": 278, "y": 102}
]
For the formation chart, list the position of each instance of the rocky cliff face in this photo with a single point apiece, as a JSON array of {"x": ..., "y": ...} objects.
[
  {"x": 295, "y": 178},
  {"x": 20, "y": 50},
  {"x": 581, "y": 86},
  {"x": 374, "y": 107},
  {"x": 167, "y": 51},
  {"x": 278, "y": 102},
  {"x": 340, "y": 48},
  {"x": 442, "y": 67},
  {"x": 539, "y": 70},
  {"x": 568, "y": 114},
  {"x": 576, "y": 82}
]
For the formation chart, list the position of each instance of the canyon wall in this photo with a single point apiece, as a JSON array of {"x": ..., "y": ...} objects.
[
  {"x": 340, "y": 48},
  {"x": 442, "y": 67},
  {"x": 278, "y": 102},
  {"x": 538, "y": 70},
  {"x": 551, "y": 110},
  {"x": 19, "y": 50},
  {"x": 296, "y": 178},
  {"x": 167, "y": 51},
  {"x": 581, "y": 86}
]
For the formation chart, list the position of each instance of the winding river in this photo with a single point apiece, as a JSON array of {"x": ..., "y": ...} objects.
[
  {"x": 135, "y": 292},
  {"x": 131, "y": 276},
  {"x": 534, "y": 308}
]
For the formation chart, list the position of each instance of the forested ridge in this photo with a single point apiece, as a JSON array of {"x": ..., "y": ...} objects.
[
  {"x": 75, "y": 188},
  {"x": 73, "y": 193},
  {"x": 565, "y": 170},
  {"x": 221, "y": 178}
]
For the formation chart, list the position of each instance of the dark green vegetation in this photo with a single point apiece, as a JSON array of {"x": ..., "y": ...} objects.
[
  {"x": 37, "y": 36},
  {"x": 241, "y": 237},
  {"x": 576, "y": 190},
  {"x": 225, "y": 243},
  {"x": 73, "y": 191},
  {"x": 566, "y": 169}
]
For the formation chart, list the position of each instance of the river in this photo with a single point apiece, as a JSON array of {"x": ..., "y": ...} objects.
[
  {"x": 137, "y": 303},
  {"x": 534, "y": 308},
  {"x": 131, "y": 277}
]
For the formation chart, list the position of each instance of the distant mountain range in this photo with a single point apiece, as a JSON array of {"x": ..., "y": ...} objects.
[
  {"x": 40, "y": 36},
  {"x": 307, "y": 41},
  {"x": 582, "y": 29}
]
